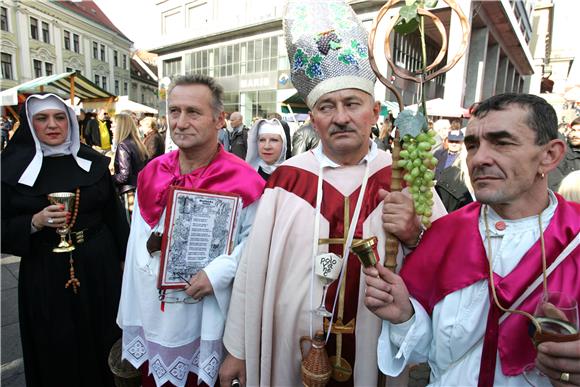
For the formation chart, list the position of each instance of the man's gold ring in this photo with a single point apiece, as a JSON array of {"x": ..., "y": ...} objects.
[{"x": 565, "y": 377}]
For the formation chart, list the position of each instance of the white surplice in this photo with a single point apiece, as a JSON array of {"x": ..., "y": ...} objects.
[
  {"x": 452, "y": 339},
  {"x": 184, "y": 337}
]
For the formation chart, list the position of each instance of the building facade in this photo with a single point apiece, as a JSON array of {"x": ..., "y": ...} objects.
[
  {"x": 43, "y": 37},
  {"x": 242, "y": 45},
  {"x": 144, "y": 80}
]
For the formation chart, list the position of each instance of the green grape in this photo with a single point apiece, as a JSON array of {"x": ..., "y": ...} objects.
[
  {"x": 424, "y": 146},
  {"x": 418, "y": 163},
  {"x": 420, "y": 209}
]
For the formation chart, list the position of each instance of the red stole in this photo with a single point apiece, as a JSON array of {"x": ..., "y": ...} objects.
[
  {"x": 303, "y": 184},
  {"x": 225, "y": 173},
  {"x": 443, "y": 264}
]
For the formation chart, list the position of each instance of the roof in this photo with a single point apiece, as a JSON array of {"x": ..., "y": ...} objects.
[
  {"x": 90, "y": 10},
  {"x": 59, "y": 84},
  {"x": 139, "y": 72}
]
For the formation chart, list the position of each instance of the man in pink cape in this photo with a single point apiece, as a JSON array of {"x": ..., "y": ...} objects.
[
  {"x": 180, "y": 343},
  {"x": 318, "y": 202},
  {"x": 447, "y": 306}
]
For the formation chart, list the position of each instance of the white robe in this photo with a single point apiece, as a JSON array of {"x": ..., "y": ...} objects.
[
  {"x": 452, "y": 340},
  {"x": 271, "y": 303},
  {"x": 184, "y": 337}
]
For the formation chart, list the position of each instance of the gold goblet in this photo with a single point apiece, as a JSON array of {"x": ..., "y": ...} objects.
[{"x": 68, "y": 200}]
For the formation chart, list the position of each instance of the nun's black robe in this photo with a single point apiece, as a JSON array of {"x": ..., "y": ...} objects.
[{"x": 66, "y": 337}]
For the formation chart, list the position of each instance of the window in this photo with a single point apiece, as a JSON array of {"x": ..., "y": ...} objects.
[
  {"x": 95, "y": 50},
  {"x": 124, "y": 61},
  {"x": 126, "y": 88},
  {"x": 76, "y": 44},
  {"x": 69, "y": 70},
  {"x": 116, "y": 58},
  {"x": 47, "y": 68},
  {"x": 37, "y": 68},
  {"x": 104, "y": 82},
  {"x": 103, "y": 52},
  {"x": 172, "y": 67},
  {"x": 34, "y": 28},
  {"x": 116, "y": 87},
  {"x": 3, "y": 19},
  {"x": 66, "y": 40},
  {"x": 6, "y": 66},
  {"x": 45, "y": 33},
  {"x": 97, "y": 80}
]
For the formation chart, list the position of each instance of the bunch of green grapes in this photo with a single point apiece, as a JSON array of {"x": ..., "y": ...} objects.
[{"x": 419, "y": 163}]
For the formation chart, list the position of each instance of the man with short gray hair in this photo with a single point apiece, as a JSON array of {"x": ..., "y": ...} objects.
[{"x": 178, "y": 338}]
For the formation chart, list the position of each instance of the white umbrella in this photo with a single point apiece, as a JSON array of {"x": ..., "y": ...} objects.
[{"x": 440, "y": 108}]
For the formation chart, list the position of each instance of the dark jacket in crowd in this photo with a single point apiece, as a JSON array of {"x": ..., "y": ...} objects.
[
  {"x": 91, "y": 131},
  {"x": 452, "y": 189},
  {"x": 154, "y": 143},
  {"x": 304, "y": 139},
  {"x": 127, "y": 166},
  {"x": 239, "y": 142}
]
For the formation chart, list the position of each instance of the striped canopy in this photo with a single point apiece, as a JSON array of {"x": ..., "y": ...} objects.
[{"x": 66, "y": 85}]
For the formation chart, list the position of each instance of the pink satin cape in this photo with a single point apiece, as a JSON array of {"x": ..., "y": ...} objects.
[
  {"x": 451, "y": 256},
  {"x": 225, "y": 173}
]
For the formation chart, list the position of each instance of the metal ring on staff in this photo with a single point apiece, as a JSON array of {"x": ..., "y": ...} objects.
[{"x": 236, "y": 383}]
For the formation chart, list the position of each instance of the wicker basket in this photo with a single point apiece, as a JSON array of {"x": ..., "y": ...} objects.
[
  {"x": 125, "y": 374},
  {"x": 315, "y": 367}
]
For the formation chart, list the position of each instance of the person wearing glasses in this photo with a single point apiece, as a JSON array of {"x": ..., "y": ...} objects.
[{"x": 176, "y": 338}]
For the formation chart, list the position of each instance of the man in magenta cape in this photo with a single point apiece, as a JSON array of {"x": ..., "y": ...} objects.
[
  {"x": 179, "y": 342},
  {"x": 441, "y": 307}
]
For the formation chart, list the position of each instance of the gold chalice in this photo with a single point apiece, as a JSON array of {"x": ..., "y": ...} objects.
[{"x": 68, "y": 200}]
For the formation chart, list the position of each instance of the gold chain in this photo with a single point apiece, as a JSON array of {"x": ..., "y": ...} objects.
[{"x": 491, "y": 282}]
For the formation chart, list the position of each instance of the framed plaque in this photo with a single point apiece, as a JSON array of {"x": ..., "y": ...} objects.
[{"x": 199, "y": 226}]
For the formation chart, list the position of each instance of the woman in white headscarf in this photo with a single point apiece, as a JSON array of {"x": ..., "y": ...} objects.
[
  {"x": 67, "y": 301},
  {"x": 266, "y": 146}
]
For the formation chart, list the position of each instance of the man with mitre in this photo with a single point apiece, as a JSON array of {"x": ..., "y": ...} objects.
[
  {"x": 179, "y": 342},
  {"x": 317, "y": 202},
  {"x": 470, "y": 307}
]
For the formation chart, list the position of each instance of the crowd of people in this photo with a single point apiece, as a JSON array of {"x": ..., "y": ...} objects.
[{"x": 465, "y": 294}]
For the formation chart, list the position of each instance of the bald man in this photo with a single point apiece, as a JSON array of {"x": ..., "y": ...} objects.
[{"x": 239, "y": 136}]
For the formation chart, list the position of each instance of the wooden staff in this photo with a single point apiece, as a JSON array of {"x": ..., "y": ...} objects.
[{"x": 392, "y": 243}]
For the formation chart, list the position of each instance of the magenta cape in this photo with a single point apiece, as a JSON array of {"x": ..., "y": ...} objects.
[
  {"x": 451, "y": 256},
  {"x": 225, "y": 173}
]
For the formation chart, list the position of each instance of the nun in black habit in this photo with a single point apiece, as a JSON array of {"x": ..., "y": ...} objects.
[{"x": 66, "y": 332}]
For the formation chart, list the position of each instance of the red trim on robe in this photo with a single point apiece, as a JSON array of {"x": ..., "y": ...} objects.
[{"x": 303, "y": 183}]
